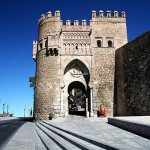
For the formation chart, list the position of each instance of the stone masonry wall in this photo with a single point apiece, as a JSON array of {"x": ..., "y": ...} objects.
[
  {"x": 48, "y": 25},
  {"x": 46, "y": 98},
  {"x": 103, "y": 61},
  {"x": 132, "y": 79},
  {"x": 103, "y": 79},
  {"x": 113, "y": 29}
]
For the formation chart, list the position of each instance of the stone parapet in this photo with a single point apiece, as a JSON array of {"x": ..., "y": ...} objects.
[
  {"x": 108, "y": 14},
  {"x": 49, "y": 15},
  {"x": 131, "y": 126}
]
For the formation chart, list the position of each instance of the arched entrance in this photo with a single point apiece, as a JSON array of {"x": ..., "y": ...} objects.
[
  {"x": 75, "y": 89},
  {"x": 76, "y": 99}
]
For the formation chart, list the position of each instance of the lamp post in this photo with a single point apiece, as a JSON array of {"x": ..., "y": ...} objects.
[
  {"x": 7, "y": 108},
  {"x": 24, "y": 111},
  {"x": 3, "y": 108}
]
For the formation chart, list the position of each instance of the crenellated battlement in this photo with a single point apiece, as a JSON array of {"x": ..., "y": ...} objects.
[
  {"x": 57, "y": 14},
  {"x": 75, "y": 23},
  {"x": 52, "y": 23},
  {"x": 101, "y": 14},
  {"x": 108, "y": 14}
]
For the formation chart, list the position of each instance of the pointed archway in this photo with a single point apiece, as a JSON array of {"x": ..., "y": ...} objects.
[{"x": 76, "y": 79}]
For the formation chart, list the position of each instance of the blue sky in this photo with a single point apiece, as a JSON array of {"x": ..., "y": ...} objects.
[{"x": 19, "y": 27}]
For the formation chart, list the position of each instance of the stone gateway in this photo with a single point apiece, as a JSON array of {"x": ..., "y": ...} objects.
[{"x": 75, "y": 64}]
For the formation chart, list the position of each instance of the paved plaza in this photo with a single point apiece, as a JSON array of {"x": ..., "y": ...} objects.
[{"x": 75, "y": 132}]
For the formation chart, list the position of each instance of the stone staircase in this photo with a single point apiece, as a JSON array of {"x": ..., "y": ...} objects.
[
  {"x": 69, "y": 133},
  {"x": 54, "y": 137}
]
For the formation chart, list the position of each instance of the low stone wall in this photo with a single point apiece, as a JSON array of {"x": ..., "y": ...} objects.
[
  {"x": 132, "y": 78},
  {"x": 137, "y": 128}
]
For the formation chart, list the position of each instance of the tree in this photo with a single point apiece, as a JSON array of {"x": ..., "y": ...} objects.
[{"x": 32, "y": 82}]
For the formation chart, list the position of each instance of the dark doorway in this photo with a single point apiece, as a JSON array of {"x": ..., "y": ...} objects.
[{"x": 76, "y": 99}]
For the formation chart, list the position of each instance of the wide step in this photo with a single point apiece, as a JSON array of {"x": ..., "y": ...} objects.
[
  {"x": 39, "y": 145},
  {"x": 48, "y": 142},
  {"x": 83, "y": 137},
  {"x": 63, "y": 143},
  {"x": 70, "y": 140}
]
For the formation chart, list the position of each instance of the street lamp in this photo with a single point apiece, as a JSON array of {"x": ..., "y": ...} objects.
[
  {"x": 3, "y": 108},
  {"x": 24, "y": 111},
  {"x": 7, "y": 108}
]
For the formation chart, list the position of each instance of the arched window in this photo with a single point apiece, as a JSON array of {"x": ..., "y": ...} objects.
[
  {"x": 41, "y": 46},
  {"x": 99, "y": 43},
  {"x": 110, "y": 44}
]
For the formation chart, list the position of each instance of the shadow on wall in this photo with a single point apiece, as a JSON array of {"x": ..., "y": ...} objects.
[{"x": 132, "y": 78}]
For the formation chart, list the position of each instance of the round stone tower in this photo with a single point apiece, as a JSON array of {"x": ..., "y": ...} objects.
[{"x": 46, "y": 55}]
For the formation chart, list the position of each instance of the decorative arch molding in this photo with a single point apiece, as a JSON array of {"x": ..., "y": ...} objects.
[
  {"x": 80, "y": 67},
  {"x": 76, "y": 35},
  {"x": 77, "y": 68},
  {"x": 82, "y": 48}
]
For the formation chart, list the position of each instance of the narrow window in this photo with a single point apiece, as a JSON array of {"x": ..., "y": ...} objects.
[
  {"x": 40, "y": 46},
  {"x": 46, "y": 43},
  {"x": 56, "y": 51},
  {"x": 99, "y": 43},
  {"x": 51, "y": 52},
  {"x": 110, "y": 44},
  {"x": 47, "y": 52}
]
